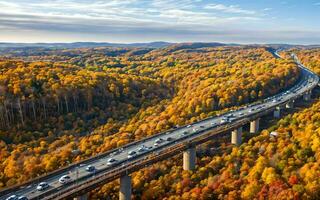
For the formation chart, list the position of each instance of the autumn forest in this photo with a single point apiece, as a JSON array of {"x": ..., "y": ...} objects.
[{"x": 55, "y": 102}]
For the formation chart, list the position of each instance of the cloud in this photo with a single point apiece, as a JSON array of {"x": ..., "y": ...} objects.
[
  {"x": 317, "y": 4},
  {"x": 116, "y": 13},
  {"x": 129, "y": 21},
  {"x": 267, "y": 9},
  {"x": 235, "y": 9}
]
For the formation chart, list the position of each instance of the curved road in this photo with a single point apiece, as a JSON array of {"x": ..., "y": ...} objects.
[{"x": 171, "y": 139}]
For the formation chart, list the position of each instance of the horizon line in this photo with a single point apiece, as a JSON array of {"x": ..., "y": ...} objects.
[{"x": 168, "y": 42}]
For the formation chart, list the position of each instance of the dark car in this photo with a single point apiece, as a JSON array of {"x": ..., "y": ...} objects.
[
  {"x": 169, "y": 138},
  {"x": 90, "y": 168}
]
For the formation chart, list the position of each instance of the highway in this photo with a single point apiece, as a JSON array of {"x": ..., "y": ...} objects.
[{"x": 170, "y": 139}]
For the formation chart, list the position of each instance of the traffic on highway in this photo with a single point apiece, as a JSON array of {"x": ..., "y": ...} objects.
[{"x": 123, "y": 156}]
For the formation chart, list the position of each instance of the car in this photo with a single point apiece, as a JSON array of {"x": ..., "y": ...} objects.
[
  {"x": 142, "y": 148},
  {"x": 22, "y": 198},
  {"x": 230, "y": 115},
  {"x": 241, "y": 114},
  {"x": 65, "y": 179},
  {"x": 114, "y": 153},
  {"x": 213, "y": 123},
  {"x": 195, "y": 130},
  {"x": 169, "y": 139},
  {"x": 90, "y": 168},
  {"x": 111, "y": 161},
  {"x": 158, "y": 141},
  {"x": 231, "y": 119},
  {"x": 185, "y": 132},
  {"x": 131, "y": 154},
  {"x": 202, "y": 126},
  {"x": 224, "y": 120},
  {"x": 12, "y": 197},
  {"x": 189, "y": 126},
  {"x": 42, "y": 186}
]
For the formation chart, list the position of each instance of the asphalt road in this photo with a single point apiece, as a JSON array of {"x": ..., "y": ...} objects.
[{"x": 307, "y": 82}]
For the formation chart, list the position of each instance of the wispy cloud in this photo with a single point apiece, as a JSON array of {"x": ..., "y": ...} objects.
[
  {"x": 132, "y": 20},
  {"x": 267, "y": 9},
  {"x": 117, "y": 12},
  {"x": 317, "y": 4},
  {"x": 229, "y": 9}
]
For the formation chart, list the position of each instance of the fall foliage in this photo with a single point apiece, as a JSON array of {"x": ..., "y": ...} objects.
[{"x": 93, "y": 100}]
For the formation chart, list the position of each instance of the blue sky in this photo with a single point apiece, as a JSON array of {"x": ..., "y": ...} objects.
[{"x": 127, "y": 21}]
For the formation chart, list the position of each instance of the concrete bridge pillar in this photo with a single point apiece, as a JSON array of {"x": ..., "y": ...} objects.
[
  {"x": 236, "y": 136},
  {"x": 254, "y": 125},
  {"x": 290, "y": 104},
  {"x": 82, "y": 197},
  {"x": 125, "y": 188},
  {"x": 307, "y": 96},
  {"x": 276, "y": 112},
  {"x": 189, "y": 159}
]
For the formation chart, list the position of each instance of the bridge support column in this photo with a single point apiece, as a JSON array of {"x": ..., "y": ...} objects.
[
  {"x": 82, "y": 197},
  {"x": 189, "y": 159},
  {"x": 307, "y": 96},
  {"x": 290, "y": 104},
  {"x": 236, "y": 136},
  {"x": 125, "y": 188},
  {"x": 254, "y": 126},
  {"x": 276, "y": 113}
]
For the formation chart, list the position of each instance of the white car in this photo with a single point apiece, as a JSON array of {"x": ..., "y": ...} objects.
[
  {"x": 142, "y": 149},
  {"x": 230, "y": 115},
  {"x": 224, "y": 120},
  {"x": 158, "y": 141},
  {"x": 65, "y": 179},
  {"x": 111, "y": 161},
  {"x": 189, "y": 126},
  {"x": 42, "y": 186},
  {"x": 131, "y": 154}
]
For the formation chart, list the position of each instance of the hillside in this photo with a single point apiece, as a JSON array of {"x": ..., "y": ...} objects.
[
  {"x": 264, "y": 167},
  {"x": 52, "y": 109}
]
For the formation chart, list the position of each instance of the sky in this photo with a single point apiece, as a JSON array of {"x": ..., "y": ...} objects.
[{"x": 129, "y": 21}]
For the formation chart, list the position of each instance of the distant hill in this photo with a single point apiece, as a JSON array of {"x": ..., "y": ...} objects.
[
  {"x": 84, "y": 45},
  {"x": 195, "y": 45},
  {"x": 174, "y": 46},
  {"x": 286, "y": 46}
]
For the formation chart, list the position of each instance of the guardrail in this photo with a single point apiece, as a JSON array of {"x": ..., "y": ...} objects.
[{"x": 141, "y": 162}]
